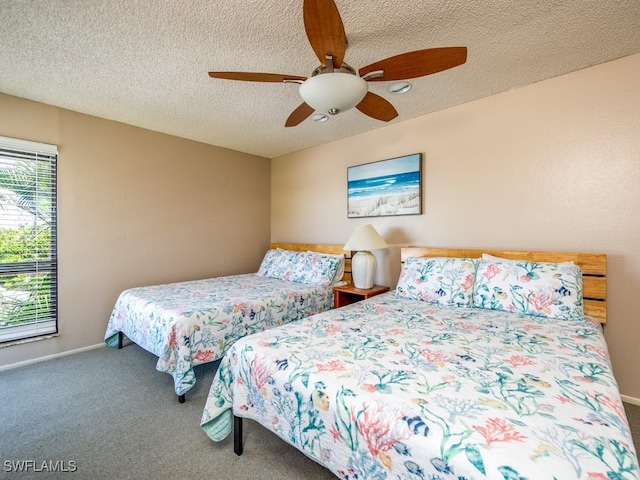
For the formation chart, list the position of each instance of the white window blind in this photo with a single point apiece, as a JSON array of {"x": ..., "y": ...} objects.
[{"x": 28, "y": 239}]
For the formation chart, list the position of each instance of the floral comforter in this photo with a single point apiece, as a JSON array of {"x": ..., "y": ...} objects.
[
  {"x": 189, "y": 323},
  {"x": 394, "y": 388}
]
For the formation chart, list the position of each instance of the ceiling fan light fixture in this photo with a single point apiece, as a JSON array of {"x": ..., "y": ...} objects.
[
  {"x": 398, "y": 88},
  {"x": 333, "y": 93}
]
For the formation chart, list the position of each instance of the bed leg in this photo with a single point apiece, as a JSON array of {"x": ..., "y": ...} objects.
[
  {"x": 181, "y": 398},
  {"x": 237, "y": 435},
  {"x": 120, "y": 335}
]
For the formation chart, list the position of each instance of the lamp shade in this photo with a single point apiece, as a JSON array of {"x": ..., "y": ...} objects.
[
  {"x": 365, "y": 237},
  {"x": 333, "y": 92}
]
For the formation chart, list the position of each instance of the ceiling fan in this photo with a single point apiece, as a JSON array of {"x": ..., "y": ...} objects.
[{"x": 334, "y": 86}]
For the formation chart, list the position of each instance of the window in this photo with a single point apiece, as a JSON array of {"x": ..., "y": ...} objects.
[{"x": 28, "y": 256}]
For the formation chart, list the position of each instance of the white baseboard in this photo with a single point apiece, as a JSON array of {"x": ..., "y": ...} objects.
[
  {"x": 55, "y": 355},
  {"x": 631, "y": 400}
]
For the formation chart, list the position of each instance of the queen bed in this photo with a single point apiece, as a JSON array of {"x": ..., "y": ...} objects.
[
  {"x": 191, "y": 323},
  {"x": 476, "y": 366}
]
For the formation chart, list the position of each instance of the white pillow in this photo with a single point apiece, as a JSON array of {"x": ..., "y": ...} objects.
[{"x": 487, "y": 258}]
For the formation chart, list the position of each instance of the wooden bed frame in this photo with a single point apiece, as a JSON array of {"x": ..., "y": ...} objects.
[{"x": 593, "y": 265}]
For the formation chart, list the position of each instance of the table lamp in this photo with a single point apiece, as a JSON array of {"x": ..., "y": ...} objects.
[{"x": 363, "y": 263}]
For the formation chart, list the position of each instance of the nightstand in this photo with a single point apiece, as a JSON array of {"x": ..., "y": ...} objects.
[{"x": 349, "y": 294}]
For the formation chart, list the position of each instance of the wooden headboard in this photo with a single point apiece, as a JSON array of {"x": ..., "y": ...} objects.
[
  {"x": 593, "y": 265},
  {"x": 320, "y": 248}
]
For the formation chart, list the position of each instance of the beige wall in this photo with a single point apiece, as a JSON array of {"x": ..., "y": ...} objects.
[
  {"x": 551, "y": 166},
  {"x": 137, "y": 207}
]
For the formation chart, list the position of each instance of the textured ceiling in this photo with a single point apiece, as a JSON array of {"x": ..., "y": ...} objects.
[{"x": 145, "y": 62}]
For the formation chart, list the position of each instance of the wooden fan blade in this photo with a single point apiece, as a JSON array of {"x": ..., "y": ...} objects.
[
  {"x": 325, "y": 30},
  {"x": 299, "y": 115},
  {"x": 256, "y": 77},
  {"x": 377, "y": 107},
  {"x": 416, "y": 64}
]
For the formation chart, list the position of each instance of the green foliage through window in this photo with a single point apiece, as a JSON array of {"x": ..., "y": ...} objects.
[{"x": 28, "y": 263}]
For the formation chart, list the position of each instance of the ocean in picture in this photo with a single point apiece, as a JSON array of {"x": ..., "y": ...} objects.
[{"x": 377, "y": 190}]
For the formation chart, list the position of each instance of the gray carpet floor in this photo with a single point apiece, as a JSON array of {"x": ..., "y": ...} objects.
[
  {"x": 110, "y": 414},
  {"x": 116, "y": 417}
]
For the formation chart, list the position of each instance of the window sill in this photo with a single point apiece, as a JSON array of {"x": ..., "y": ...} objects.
[{"x": 12, "y": 343}]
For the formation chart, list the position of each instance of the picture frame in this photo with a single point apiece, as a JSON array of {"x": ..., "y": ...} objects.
[{"x": 385, "y": 188}]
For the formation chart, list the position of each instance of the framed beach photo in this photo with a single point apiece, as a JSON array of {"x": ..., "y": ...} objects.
[{"x": 387, "y": 187}]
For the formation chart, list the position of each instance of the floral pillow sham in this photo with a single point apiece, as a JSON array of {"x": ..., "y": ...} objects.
[
  {"x": 315, "y": 269},
  {"x": 301, "y": 267},
  {"x": 341, "y": 264},
  {"x": 552, "y": 290},
  {"x": 270, "y": 262},
  {"x": 442, "y": 280}
]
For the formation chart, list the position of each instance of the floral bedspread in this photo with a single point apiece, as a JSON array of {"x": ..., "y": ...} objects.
[
  {"x": 395, "y": 388},
  {"x": 189, "y": 323}
]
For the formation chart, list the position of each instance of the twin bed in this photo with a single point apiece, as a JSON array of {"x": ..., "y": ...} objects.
[
  {"x": 191, "y": 323},
  {"x": 474, "y": 367}
]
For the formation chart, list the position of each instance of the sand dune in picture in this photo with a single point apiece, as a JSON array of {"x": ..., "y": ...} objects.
[{"x": 393, "y": 204}]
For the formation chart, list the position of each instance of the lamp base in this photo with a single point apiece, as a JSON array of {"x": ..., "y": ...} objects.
[{"x": 363, "y": 269}]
